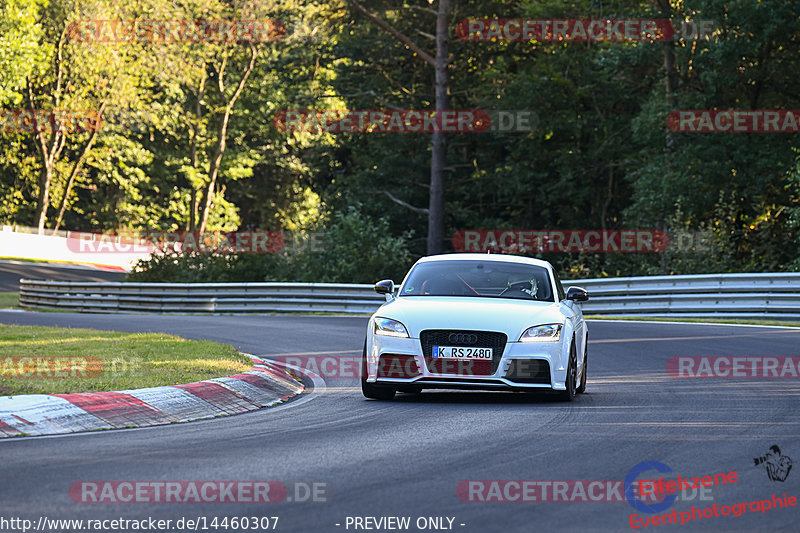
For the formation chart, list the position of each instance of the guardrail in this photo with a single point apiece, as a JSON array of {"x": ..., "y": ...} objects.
[
  {"x": 774, "y": 295},
  {"x": 708, "y": 295},
  {"x": 99, "y": 297}
]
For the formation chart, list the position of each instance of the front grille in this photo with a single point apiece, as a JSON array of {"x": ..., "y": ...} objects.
[
  {"x": 476, "y": 339},
  {"x": 529, "y": 371},
  {"x": 397, "y": 366}
]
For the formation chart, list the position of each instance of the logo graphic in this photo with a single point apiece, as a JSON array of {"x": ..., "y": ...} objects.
[
  {"x": 630, "y": 482},
  {"x": 778, "y": 466},
  {"x": 463, "y": 338}
]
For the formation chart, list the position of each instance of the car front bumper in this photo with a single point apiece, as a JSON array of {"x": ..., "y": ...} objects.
[{"x": 400, "y": 363}]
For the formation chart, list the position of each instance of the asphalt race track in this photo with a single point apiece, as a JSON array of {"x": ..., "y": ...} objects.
[
  {"x": 12, "y": 271},
  {"x": 406, "y": 457}
]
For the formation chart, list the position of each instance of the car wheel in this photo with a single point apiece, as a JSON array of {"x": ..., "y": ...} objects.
[
  {"x": 370, "y": 390},
  {"x": 572, "y": 376},
  {"x": 582, "y": 387}
]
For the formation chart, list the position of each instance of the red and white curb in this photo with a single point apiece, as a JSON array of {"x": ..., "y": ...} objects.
[{"x": 263, "y": 385}]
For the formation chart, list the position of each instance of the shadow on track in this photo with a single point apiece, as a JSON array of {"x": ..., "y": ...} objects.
[{"x": 434, "y": 396}]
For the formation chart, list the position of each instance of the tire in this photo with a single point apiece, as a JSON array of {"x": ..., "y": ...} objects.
[
  {"x": 572, "y": 377},
  {"x": 582, "y": 387},
  {"x": 370, "y": 390}
]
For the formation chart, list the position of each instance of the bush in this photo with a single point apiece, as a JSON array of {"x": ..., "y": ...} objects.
[
  {"x": 207, "y": 268},
  {"x": 352, "y": 249},
  {"x": 355, "y": 250}
]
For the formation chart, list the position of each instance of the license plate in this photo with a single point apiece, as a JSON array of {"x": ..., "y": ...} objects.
[{"x": 462, "y": 352}]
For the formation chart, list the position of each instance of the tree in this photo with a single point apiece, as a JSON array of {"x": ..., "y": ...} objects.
[
  {"x": 440, "y": 65},
  {"x": 20, "y": 50},
  {"x": 80, "y": 81},
  {"x": 228, "y": 102}
]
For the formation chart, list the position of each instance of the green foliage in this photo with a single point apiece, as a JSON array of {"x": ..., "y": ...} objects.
[
  {"x": 600, "y": 157},
  {"x": 198, "y": 267},
  {"x": 351, "y": 249},
  {"x": 20, "y": 53},
  {"x": 355, "y": 249}
]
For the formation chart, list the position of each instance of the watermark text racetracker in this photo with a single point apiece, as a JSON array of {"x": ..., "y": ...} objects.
[
  {"x": 177, "y": 241},
  {"x": 563, "y": 241},
  {"x": 404, "y": 121},
  {"x": 24, "y": 121},
  {"x": 563, "y": 490},
  {"x": 727, "y": 367},
  {"x": 187, "y": 492},
  {"x": 583, "y": 30},
  {"x": 333, "y": 368},
  {"x": 225, "y": 242},
  {"x": 50, "y": 367},
  {"x": 174, "y": 31},
  {"x": 29, "y": 121},
  {"x": 734, "y": 121},
  {"x": 345, "y": 370}
]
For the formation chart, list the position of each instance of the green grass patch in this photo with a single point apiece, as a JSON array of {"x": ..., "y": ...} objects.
[
  {"x": 9, "y": 300},
  {"x": 710, "y": 320},
  {"x": 32, "y": 360}
]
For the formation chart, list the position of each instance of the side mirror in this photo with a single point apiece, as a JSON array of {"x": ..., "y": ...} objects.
[
  {"x": 385, "y": 286},
  {"x": 577, "y": 294}
]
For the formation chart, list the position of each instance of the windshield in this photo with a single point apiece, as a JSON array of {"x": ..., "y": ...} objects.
[{"x": 491, "y": 279}]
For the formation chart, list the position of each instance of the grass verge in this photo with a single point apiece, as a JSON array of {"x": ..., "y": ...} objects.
[
  {"x": 45, "y": 360},
  {"x": 9, "y": 300},
  {"x": 753, "y": 322}
]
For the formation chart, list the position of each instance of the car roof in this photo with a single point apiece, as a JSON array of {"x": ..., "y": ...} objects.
[{"x": 500, "y": 258}]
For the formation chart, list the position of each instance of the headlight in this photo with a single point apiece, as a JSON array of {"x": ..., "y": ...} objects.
[
  {"x": 545, "y": 333},
  {"x": 392, "y": 328}
]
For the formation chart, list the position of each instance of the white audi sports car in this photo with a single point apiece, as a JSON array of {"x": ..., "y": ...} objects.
[{"x": 474, "y": 321}]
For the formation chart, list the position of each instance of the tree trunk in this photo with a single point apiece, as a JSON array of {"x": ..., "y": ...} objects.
[
  {"x": 223, "y": 131},
  {"x": 77, "y": 168},
  {"x": 439, "y": 144},
  {"x": 49, "y": 151},
  {"x": 435, "y": 241},
  {"x": 669, "y": 95},
  {"x": 193, "y": 207},
  {"x": 669, "y": 85},
  {"x": 45, "y": 175},
  {"x": 198, "y": 115},
  {"x": 214, "y": 170},
  {"x": 608, "y": 200}
]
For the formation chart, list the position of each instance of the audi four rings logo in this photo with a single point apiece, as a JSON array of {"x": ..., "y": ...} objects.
[{"x": 463, "y": 338}]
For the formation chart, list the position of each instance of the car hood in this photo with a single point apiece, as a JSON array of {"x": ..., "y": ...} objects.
[{"x": 483, "y": 314}]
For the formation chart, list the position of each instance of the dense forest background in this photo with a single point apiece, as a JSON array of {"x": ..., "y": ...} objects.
[{"x": 189, "y": 143}]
